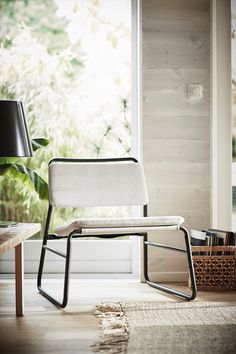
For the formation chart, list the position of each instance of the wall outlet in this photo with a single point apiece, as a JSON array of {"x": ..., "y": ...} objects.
[{"x": 194, "y": 91}]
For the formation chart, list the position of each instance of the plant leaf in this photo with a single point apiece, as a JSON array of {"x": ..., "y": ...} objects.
[
  {"x": 38, "y": 143},
  {"x": 26, "y": 176},
  {"x": 8, "y": 160}
]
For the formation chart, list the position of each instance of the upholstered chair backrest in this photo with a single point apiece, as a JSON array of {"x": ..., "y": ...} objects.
[{"x": 88, "y": 184}]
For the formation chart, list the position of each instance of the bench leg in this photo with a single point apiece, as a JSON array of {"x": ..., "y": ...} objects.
[{"x": 168, "y": 290}]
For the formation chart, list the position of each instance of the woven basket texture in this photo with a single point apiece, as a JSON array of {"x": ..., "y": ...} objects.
[{"x": 215, "y": 267}]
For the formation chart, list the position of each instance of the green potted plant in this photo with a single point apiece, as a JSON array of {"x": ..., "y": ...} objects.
[{"x": 15, "y": 170}]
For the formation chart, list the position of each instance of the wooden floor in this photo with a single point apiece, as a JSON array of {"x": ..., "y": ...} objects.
[{"x": 45, "y": 329}]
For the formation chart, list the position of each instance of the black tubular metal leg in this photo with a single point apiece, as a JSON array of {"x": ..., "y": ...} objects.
[
  {"x": 64, "y": 301},
  {"x": 190, "y": 264},
  {"x": 43, "y": 251}
]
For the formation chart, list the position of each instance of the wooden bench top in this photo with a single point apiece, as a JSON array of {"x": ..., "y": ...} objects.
[{"x": 13, "y": 235}]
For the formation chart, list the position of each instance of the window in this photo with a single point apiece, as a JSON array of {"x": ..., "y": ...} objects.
[{"x": 72, "y": 70}]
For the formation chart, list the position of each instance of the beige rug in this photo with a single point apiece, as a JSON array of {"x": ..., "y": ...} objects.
[{"x": 163, "y": 328}]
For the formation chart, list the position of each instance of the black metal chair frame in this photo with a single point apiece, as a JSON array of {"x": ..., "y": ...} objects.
[{"x": 77, "y": 234}]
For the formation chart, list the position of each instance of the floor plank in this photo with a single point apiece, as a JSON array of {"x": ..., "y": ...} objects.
[{"x": 45, "y": 329}]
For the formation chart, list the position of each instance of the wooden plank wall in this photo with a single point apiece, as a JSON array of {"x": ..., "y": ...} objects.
[{"x": 176, "y": 129}]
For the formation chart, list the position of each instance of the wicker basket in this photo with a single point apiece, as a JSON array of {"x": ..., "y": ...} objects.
[{"x": 215, "y": 267}]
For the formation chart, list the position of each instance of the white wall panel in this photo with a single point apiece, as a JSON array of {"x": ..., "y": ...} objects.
[{"x": 176, "y": 129}]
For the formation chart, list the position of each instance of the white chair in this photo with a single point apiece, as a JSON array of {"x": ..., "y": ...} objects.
[{"x": 105, "y": 182}]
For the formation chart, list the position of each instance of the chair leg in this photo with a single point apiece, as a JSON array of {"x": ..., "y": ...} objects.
[
  {"x": 67, "y": 257},
  {"x": 190, "y": 264}
]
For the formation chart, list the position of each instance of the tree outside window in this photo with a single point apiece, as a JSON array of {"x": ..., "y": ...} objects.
[{"x": 69, "y": 62}]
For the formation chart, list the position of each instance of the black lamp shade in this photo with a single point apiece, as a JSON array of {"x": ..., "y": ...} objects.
[{"x": 14, "y": 136}]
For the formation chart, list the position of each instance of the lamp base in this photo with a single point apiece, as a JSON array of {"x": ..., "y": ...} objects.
[{"x": 7, "y": 223}]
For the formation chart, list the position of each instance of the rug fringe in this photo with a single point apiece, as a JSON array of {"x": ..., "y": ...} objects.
[{"x": 115, "y": 329}]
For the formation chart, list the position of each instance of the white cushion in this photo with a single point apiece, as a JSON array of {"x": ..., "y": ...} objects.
[
  {"x": 88, "y": 184},
  {"x": 98, "y": 226}
]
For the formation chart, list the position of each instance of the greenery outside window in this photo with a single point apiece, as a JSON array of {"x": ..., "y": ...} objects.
[{"x": 69, "y": 62}]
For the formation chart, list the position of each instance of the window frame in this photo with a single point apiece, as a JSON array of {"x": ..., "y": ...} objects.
[{"x": 221, "y": 119}]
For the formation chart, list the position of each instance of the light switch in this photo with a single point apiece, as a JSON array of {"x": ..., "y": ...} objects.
[{"x": 194, "y": 91}]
